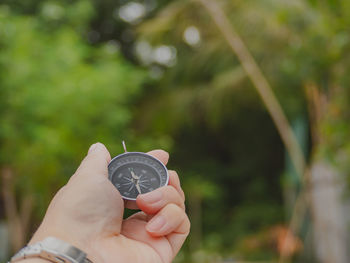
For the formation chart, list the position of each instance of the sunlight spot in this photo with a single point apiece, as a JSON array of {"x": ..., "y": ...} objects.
[
  {"x": 52, "y": 11},
  {"x": 165, "y": 55},
  {"x": 132, "y": 12},
  {"x": 192, "y": 36}
]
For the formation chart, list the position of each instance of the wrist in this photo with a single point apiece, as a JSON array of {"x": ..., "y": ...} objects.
[
  {"x": 70, "y": 233},
  {"x": 51, "y": 249},
  {"x": 72, "y": 239},
  {"x": 41, "y": 234},
  {"x": 83, "y": 245}
]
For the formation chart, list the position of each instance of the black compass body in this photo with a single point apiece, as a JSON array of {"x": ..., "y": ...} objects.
[{"x": 134, "y": 173}]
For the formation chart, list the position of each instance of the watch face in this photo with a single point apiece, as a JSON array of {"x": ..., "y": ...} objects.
[{"x": 135, "y": 173}]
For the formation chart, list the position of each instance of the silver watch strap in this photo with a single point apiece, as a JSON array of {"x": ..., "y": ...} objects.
[{"x": 54, "y": 250}]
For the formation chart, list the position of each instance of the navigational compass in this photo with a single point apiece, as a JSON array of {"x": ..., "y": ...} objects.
[{"x": 134, "y": 173}]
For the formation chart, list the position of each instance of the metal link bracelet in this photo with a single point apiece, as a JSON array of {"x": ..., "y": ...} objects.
[{"x": 54, "y": 250}]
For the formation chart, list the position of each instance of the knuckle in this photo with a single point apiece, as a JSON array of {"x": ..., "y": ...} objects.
[
  {"x": 174, "y": 208},
  {"x": 169, "y": 191},
  {"x": 173, "y": 190},
  {"x": 174, "y": 196}
]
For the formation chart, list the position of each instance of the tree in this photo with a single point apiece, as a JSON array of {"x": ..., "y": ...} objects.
[
  {"x": 301, "y": 47},
  {"x": 58, "y": 95}
]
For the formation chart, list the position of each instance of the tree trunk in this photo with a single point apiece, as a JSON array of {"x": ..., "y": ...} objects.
[
  {"x": 330, "y": 231},
  {"x": 18, "y": 221}
]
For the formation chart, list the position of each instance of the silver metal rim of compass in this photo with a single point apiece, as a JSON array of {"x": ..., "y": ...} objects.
[{"x": 148, "y": 155}]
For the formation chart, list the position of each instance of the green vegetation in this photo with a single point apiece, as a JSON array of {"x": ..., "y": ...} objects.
[{"x": 161, "y": 75}]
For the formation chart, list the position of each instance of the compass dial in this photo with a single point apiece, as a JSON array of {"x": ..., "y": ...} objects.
[{"x": 135, "y": 173}]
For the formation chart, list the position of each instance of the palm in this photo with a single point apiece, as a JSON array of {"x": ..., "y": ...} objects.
[
  {"x": 134, "y": 244},
  {"x": 128, "y": 239}
]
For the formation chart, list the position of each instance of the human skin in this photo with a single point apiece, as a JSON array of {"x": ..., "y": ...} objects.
[{"x": 88, "y": 213}]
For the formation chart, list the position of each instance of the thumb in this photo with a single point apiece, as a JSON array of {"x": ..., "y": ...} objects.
[{"x": 96, "y": 161}]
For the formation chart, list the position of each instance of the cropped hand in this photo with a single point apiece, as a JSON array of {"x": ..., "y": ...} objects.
[{"x": 88, "y": 213}]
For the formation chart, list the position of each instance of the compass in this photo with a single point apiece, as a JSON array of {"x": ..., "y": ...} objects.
[{"x": 134, "y": 173}]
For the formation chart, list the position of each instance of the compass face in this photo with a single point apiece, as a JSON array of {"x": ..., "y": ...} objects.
[{"x": 135, "y": 173}]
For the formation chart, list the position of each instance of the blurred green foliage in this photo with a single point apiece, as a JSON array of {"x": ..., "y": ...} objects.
[
  {"x": 58, "y": 95},
  {"x": 72, "y": 73}
]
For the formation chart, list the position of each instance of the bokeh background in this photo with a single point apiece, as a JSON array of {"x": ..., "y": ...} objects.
[{"x": 250, "y": 97}]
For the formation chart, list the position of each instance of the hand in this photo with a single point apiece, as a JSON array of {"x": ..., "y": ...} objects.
[{"x": 88, "y": 213}]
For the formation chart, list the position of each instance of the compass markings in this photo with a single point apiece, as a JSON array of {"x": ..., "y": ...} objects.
[{"x": 135, "y": 171}]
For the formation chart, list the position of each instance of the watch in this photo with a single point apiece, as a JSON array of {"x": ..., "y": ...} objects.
[{"x": 54, "y": 250}]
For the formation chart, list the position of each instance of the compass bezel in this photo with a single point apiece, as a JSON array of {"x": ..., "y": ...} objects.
[{"x": 110, "y": 175}]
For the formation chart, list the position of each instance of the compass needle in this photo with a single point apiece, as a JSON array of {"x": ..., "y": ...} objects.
[
  {"x": 138, "y": 188},
  {"x": 134, "y": 175}
]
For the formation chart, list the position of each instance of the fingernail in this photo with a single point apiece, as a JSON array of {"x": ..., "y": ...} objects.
[
  {"x": 92, "y": 147},
  {"x": 156, "y": 224},
  {"x": 152, "y": 197}
]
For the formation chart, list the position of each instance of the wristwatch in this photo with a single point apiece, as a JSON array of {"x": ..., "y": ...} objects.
[{"x": 54, "y": 250}]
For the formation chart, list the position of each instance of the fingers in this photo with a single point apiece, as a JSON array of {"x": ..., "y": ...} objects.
[
  {"x": 168, "y": 205},
  {"x": 154, "y": 201},
  {"x": 161, "y": 155},
  {"x": 96, "y": 161},
  {"x": 134, "y": 228},
  {"x": 163, "y": 224},
  {"x": 171, "y": 219},
  {"x": 172, "y": 222},
  {"x": 174, "y": 181}
]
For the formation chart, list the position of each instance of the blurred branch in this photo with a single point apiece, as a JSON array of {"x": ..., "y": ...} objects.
[
  {"x": 11, "y": 210},
  {"x": 259, "y": 81},
  {"x": 298, "y": 214},
  {"x": 26, "y": 212},
  {"x": 271, "y": 103},
  {"x": 317, "y": 107}
]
